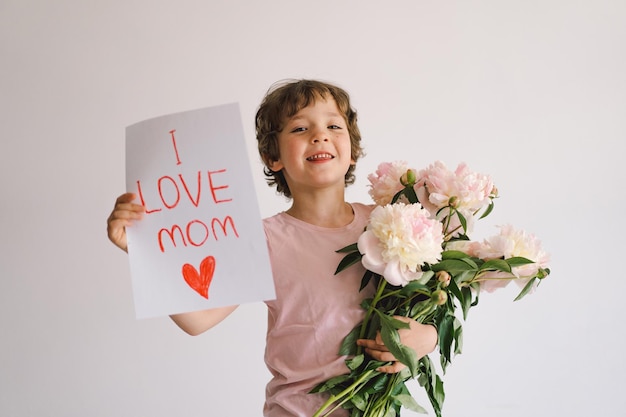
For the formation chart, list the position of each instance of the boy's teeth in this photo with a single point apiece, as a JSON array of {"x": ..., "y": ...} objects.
[{"x": 320, "y": 156}]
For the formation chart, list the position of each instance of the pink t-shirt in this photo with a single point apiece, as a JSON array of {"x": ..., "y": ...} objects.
[{"x": 313, "y": 311}]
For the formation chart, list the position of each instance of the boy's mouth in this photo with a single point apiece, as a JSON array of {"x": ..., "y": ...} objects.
[{"x": 320, "y": 157}]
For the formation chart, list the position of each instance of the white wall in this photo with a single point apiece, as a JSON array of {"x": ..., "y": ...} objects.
[{"x": 531, "y": 92}]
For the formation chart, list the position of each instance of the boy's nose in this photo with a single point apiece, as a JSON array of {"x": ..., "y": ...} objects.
[
  {"x": 320, "y": 139},
  {"x": 319, "y": 135}
]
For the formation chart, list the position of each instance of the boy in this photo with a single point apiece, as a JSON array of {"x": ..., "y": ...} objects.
[{"x": 309, "y": 141}]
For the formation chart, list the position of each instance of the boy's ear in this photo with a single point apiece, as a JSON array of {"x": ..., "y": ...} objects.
[{"x": 275, "y": 165}]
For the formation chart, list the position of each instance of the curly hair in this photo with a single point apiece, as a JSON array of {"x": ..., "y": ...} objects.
[{"x": 283, "y": 100}]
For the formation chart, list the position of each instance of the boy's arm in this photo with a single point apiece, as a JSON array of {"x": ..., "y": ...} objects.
[
  {"x": 422, "y": 338},
  {"x": 124, "y": 213},
  {"x": 198, "y": 322}
]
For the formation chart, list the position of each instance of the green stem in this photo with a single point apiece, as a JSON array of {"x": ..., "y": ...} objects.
[
  {"x": 381, "y": 405},
  {"x": 350, "y": 390},
  {"x": 377, "y": 297},
  {"x": 478, "y": 278},
  {"x": 421, "y": 315},
  {"x": 512, "y": 277},
  {"x": 411, "y": 298}
]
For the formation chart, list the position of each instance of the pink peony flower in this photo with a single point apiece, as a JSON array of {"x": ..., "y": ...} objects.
[
  {"x": 509, "y": 243},
  {"x": 465, "y": 246},
  {"x": 438, "y": 187},
  {"x": 399, "y": 239},
  {"x": 385, "y": 182}
]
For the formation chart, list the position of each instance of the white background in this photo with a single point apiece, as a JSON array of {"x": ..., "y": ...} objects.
[{"x": 531, "y": 92}]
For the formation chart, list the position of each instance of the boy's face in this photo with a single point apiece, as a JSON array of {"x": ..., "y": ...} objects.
[{"x": 314, "y": 147}]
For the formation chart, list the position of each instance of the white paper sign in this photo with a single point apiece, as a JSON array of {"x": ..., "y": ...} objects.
[{"x": 201, "y": 242}]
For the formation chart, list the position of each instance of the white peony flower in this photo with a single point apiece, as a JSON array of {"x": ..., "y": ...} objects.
[
  {"x": 399, "y": 239},
  {"x": 509, "y": 243}
]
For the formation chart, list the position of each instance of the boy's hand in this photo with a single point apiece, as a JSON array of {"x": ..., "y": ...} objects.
[
  {"x": 422, "y": 338},
  {"x": 123, "y": 215}
]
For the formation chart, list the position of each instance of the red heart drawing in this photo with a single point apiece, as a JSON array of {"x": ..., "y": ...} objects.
[{"x": 200, "y": 282}]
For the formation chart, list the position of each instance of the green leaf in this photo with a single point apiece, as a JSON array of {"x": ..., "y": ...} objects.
[
  {"x": 347, "y": 249},
  {"x": 432, "y": 384},
  {"x": 466, "y": 303},
  {"x": 358, "y": 399},
  {"x": 421, "y": 308},
  {"x": 391, "y": 338},
  {"x": 518, "y": 260},
  {"x": 458, "y": 337},
  {"x": 488, "y": 210},
  {"x": 355, "y": 362},
  {"x": 331, "y": 383},
  {"x": 456, "y": 291},
  {"x": 462, "y": 220},
  {"x": 526, "y": 289},
  {"x": 453, "y": 266},
  {"x": 465, "y": 276},
  {"x": 409, "y": 192},
  {"x": 397, "y": 196},
  {"x": 496, "y": 264},
  {"x": 409, "y": 403},
  {"x": 373, "y": 327},
  {"x": 377, "y": 383},
  {"x": 348, "y": 345},
  {"x": 470, "y": 262},
  {"x": 367, "y": 276},
  {"x": 394, "y": 322},
  {"x": 413, "y": 286},
  {"x": 459, "y": 237},
  {"x": 439, "y": 394},
  {"x": 348, "y": 260},
  {"x": 445, "y": 329},
  {"x": 372, "y": 365},
  {"x": 426, "y": 276},
  {"x": 453, "y": 254},
  {"x": 476, "y": 287}
]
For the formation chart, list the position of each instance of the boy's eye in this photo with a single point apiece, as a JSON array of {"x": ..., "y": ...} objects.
[
  {"x": 298, "y": 129},
  {"x": 334, "y": 127}
]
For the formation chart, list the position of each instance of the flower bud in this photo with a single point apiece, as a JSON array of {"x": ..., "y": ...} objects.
[
  {"x": 443, "y": 277},
  {"x": 453, "y": 201},
  {"x": 408, "y": 178},
  {"x": 439, "y": 297},
  {"x": 494, "y": 192}
]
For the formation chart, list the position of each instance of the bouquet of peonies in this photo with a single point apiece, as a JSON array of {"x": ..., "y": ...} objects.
[{"x": 417, "y": 252}]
